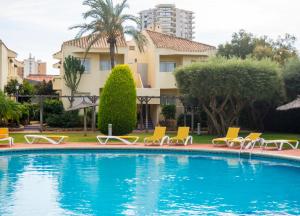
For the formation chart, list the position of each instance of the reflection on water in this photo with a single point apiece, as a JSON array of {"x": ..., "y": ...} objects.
[{"x": 139, "y": 184}]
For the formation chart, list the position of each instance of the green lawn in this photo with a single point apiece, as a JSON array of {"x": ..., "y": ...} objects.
[{"x": 202, "y": 139}]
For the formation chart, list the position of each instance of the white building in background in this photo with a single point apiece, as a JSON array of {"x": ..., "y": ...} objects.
[
  {"x": 171, "y": 20},
  {"x": 34, "y": 67}
]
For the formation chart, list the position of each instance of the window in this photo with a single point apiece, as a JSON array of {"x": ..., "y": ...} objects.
[
  {"x": 167, "y": 66},
  {"x": 105, "y": 65},
  {"x": 167, "y": 100},
  {"x": 131, "y": 47},
  {"x": 86, "y": 63}
]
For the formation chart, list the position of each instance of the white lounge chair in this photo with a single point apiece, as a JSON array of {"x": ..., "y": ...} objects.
[
  {"x": 279, "y": 143},
  {"x": 124, "y": 139},
  {"x": 53, "y": 139},
  {"x": 4, "y": 136}
]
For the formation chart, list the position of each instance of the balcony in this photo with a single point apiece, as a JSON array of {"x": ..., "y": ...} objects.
[
  {"x": 142, "y": 92},
  {"x": 57, "y": 55}
]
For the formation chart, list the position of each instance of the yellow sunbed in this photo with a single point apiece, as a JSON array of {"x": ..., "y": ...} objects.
[
  {"x": 182, "y": 136},
  {"x": 4, "y": 136},
  {"x": 232, "y": 133},
  {"x": 159, "y": 136},
  {"x": 247, "y": 142}
]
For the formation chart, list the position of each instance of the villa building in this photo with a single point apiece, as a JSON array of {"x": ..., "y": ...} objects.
[
  {"x": 152, "y": 69},
  {"x": 10, "y": 68},
  {"x": 172, "y": 20}
]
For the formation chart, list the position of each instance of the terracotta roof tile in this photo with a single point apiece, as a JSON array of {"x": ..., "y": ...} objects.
[
  {"x": 83, "y": 42},
  {"x": 40, "y": 78},
  {"x": 161, "y": 40}
]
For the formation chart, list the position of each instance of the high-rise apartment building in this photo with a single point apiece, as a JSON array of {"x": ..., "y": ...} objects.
[
  {"x": 169, "y": 20},
  {"x": 34, "y": 67}
]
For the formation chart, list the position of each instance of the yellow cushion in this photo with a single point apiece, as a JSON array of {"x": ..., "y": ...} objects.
[
  {"x": 232, "y": 133},
  {"x": 158, "y": 134},
  {"x": 128, "y": 137},
  {"x": 56, "y": 136},
  {"x": 4, "y": 133}
]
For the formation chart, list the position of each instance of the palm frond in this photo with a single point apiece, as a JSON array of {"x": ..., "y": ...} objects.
[
  {"x": 138, "y": 37},
  {"x": 108, "y": 20}
]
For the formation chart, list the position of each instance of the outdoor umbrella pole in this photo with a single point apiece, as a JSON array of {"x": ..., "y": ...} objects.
[{"x": 84, "y": 119}]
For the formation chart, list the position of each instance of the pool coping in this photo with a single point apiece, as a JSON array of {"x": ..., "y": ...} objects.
[{"x": 193, "y": 148}]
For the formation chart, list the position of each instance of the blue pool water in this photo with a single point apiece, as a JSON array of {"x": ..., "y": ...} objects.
[{"x": 140, "y": 183}]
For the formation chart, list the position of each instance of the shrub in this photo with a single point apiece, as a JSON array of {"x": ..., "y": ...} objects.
[
  {"x": 34, "y": 111},
  {"x": 223, "y": 88},
  {"x": 53, "y": 106},
  {"x": 169, "y": 111},
  {"x": 9, "y": 111},
  {"x": 118, "y": 102},
  {"x": 291, "y": 75},
  {"x": 24, "y": 110},
  {"x": 65, "y": 120}
]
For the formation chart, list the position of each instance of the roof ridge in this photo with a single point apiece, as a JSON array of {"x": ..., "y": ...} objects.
[
  {"x": 100, "y": 43},
  {"x": 75, "y": 39},
  {"x": 179, "y": 38}
]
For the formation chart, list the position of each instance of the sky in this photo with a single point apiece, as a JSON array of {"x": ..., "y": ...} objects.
[{"x": 40, "y": 26}]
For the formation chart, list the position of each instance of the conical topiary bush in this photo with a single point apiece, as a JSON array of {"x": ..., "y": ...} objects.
[{"x": 118, "y": 102}]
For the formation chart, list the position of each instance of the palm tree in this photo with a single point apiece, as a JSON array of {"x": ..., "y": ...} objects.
[{"x": 107, "y": 20}]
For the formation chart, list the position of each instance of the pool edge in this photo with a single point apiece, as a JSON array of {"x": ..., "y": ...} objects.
[{"x": 157, "y": 148}]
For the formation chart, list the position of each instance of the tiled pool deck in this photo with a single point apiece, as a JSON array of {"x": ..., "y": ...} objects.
[{"x": 289, "y": 154}]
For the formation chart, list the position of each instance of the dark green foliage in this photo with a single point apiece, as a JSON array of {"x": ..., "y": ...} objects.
[
  {"x": 11, "y": 87},
  {"x": 24, "y": 117},
  {"x": 34, "y": 111},
  {"x": 45, "y": 88},
  {"x": 169, "y": 111},
  {"x": 64, "y": 120},
  {"x": 24, "y": 89},
  {"x": 27, "y": 88},
  {"x": 291, "y": 75},
  {"x": 224, "y": 87},
  {"x": 55, "y": 115},
  {"x": 240, "y": 46},
  {"x": 118, "y": 102},
  {"x": 244, "y": 44},
  {"x": 9, "y": 111},
  {"x": 53, "y": 106}
]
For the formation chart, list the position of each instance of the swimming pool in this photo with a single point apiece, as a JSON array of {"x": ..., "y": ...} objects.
[{"x": 120, "y": 182}]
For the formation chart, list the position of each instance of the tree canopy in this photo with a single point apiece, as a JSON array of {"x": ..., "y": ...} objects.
[
  {"x": 224, "y": 87},
  {"x": 244, "y": 44},
  {"x": 291, "y": 75},
  {"x": 45, "y": 88},
  {"x": 25, "y": 88}
]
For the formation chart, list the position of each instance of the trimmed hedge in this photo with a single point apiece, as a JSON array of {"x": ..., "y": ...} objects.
[
  {"x": 118, "y": 102},
  {"x": 169, "y": 111},
  {"x": 65, "y": 119}
]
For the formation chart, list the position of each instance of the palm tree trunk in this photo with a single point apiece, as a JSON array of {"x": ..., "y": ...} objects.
[{"x": 112, "y": 53}]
